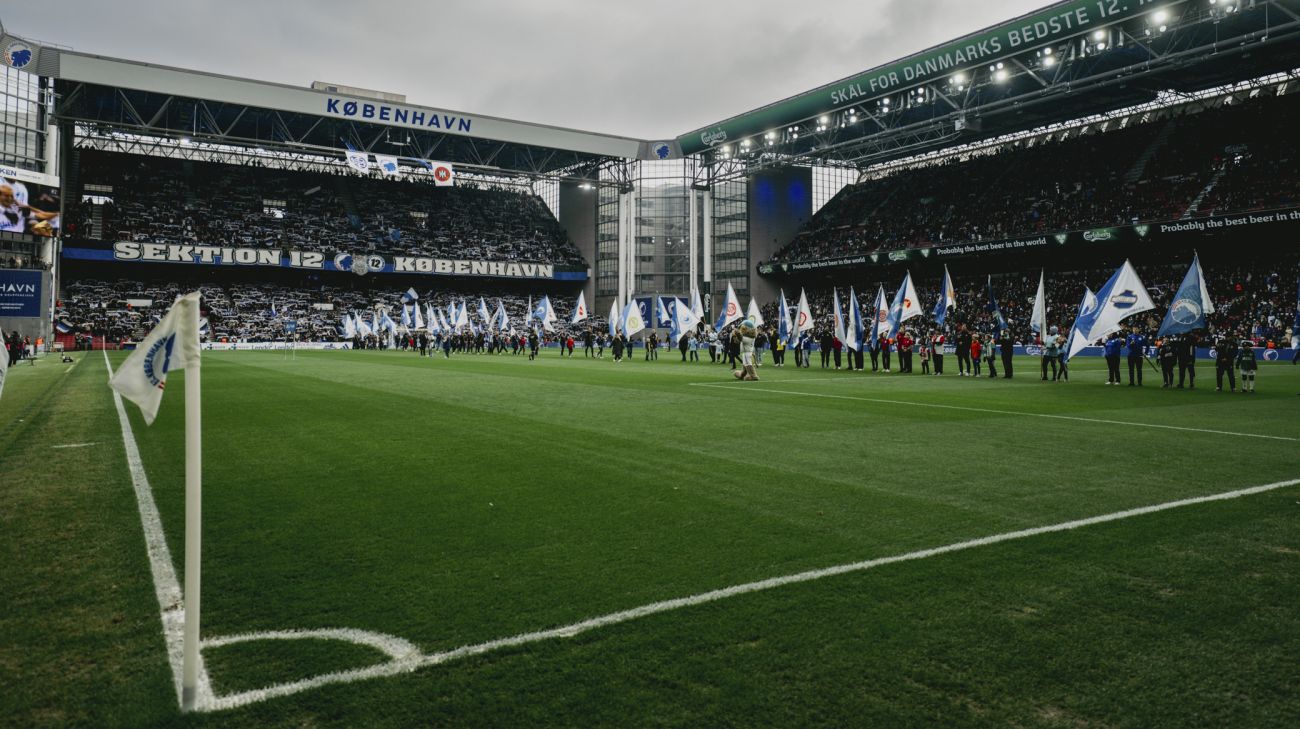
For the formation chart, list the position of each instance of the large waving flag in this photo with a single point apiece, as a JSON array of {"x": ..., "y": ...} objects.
[
  {"x": 613, "y": 317},
  {"x": 837, "y": 313},
  {"x": 484, "y": 315},
  {"x": 879, "y": 315},
  {"x": 546, "y": 313},
  {"x": 1038, "y": 320},
  {"x": 856, "y": 330},
  {"x": 501, "y": 318},
  {"x": 993, "y": 308},
  {"x": 905, "y": 305},
  {"x": 730, "y": 309},
  {"x": 755, "y": 313},
  {"x": 785, "y": 326},
  {"x": 803, "y": 320},
  {"x": 349, "y": 327},
  {"x": 1123, "y": 296},
  {"x": 662, "y": 316},
  {"x": 419, "y": 317},
  {"x": 1190, "y": 305},
  {"x": 406, "y": 316},
  {"x": 684, "y": 320},
  {"x": 1086, "y": 307},
  {"x": 431, "y": 315},
  {"x": 410, "y": 297},
  {"x": 274, "y": 314},
  {"x": 172, "y": 345},
  {"x": 697, "y": 305},
  {"x": 947, "y": 299},
  {"x": 633, "y": 322},
  {"x": 580, "y": 309},
  {"x": 363, "y": 328}
]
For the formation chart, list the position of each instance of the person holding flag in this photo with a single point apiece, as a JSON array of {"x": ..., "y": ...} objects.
[
  {"x": 730, "y": 310},
  {"x": 1121, "y": 297}
]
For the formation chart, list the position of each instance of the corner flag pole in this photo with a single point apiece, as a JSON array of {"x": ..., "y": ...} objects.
[{"x": 193, "y": 516}]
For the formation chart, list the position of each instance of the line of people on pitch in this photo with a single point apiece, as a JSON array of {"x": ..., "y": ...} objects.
[{"x": 1178, "y": 351}]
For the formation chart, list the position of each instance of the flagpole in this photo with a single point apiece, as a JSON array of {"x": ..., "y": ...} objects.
[{"x": 193, "y": 514}]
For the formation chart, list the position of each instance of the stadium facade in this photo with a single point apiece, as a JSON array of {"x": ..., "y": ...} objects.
[{"x": 711, "y": 208}]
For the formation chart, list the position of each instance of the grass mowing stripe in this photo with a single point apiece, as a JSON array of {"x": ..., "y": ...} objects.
[
  {"x": 568, "y": 631},
  {"x": 965, "y": 408},
  {"x": 170, "y": 603}
]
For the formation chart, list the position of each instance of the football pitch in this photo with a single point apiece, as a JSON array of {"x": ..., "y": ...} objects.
[{"x": 483, "y": 540}]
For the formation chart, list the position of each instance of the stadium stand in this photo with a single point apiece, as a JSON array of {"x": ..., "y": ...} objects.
[
  {"x": 173, "y": 201},
  {"x": 1206, "y": 163}
]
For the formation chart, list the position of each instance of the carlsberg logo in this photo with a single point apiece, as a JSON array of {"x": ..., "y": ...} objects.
[{"x": 717, "y": 136}]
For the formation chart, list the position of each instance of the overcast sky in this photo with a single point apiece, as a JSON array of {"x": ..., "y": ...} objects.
[{"x": 652, "y": 69}]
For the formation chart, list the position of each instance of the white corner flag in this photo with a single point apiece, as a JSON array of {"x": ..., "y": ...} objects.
[{"x": 174, "y": 345}]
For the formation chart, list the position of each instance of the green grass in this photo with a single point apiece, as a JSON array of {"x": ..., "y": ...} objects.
[{"x": 451, "y": 502}]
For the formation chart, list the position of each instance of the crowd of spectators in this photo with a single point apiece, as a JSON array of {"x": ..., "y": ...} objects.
[
  {"x": 176, "y": 201},
  {"x": 115, "y": 310},
  {"x": 1234, "y": 158}
]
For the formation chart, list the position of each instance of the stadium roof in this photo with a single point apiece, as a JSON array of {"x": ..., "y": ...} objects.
[{"x": 1069, "y": 60}]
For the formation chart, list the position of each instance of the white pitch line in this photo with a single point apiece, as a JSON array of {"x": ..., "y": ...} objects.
[
  {"x": 746, "y": 386},
  {"x": 75, "y": 445},
  {"x": 166, "y": 587},
  {"x": 396, "y": 667}
]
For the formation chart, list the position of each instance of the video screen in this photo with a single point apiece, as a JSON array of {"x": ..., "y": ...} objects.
[{"x": 28, "y": 208}]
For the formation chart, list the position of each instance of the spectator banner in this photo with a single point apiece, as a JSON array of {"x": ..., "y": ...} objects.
[
  {"x": 1210, "y": 225},
  {"x": 132, "y": 251},
  {"x": 20, "y": 293}
]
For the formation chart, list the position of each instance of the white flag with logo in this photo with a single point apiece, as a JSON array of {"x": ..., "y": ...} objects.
[
  {"x": 730, "y": 309},
  {"x": 387, "y": 164},
  {"x": 359, "y": 161},
  {"x": 1123, "y": 296},
  {"x": 803, "y": 321},
  {"x": 444, "y": 175},
  {"x": 172, "y": 345},
  {"x": 755, "y": 313},
  {"x": 579, "y": 309}
]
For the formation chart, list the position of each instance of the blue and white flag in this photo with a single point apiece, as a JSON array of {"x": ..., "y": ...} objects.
[
  {"x": 1086, "y": 308},
  {"x": 502, "y": 319},
  {"x": 410, "y": 296},
  {"x": 632, "y": 320},
  {"x": 993, "y": 308},
  {"x": 349, "y": 329},
  {"x": 387, "y": 164},
  {"x": 62, "y": 327},
  {"x": 785, "y": 326},
  {"x": 419, "y": 317},
  {"x": 661, "y": 311},
  {"x": 546, "y": 313},
  {"x": 1190, "y": 305},
  {"x": 730, "y": 309},
  {"x": 855, "y": 331},
  {"x": 684, "y": 320},
  {"x": 274, "y": 314},
  {"x": 905, "y": 306},
  {"x": 406, "y": 316},
  {"x": 357, "y": 160},
  {"x": 613, "y": 317},
  {"x": 580, "y": 309},
  {"x": 947, "y": 299},
  {"x": 172, "y": 345},
  {"x": 1123, "y": 296},
  {"x": 462, "y": 317},
  {"x": 879, "y": 316},
  {"x": 363, "y": 328},
  {"x": 483, "y": 314}
]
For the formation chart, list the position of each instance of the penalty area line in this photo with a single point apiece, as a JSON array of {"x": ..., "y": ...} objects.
[
  {"x": 994, "y": 411},
  {"x": 410, "y": 663}
]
